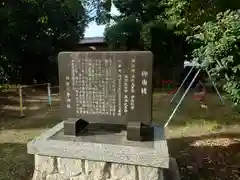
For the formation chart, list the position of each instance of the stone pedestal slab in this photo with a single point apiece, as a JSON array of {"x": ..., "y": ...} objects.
[{"x": 103, "y": 157}]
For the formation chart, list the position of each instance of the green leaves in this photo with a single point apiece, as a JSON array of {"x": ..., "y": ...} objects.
[
  {"x": 212, "y": 29},
  {"x": 43, "y": 20},
  {"x": 126, "y": 33},
  {"x": 220, "y": 43},
  {"x": 32, "y": 30}
]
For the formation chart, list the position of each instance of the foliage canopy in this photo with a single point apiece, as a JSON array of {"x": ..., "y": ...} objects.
[
  {"x": 33, "y": 32},
  {"x": 219, "y": 44},
  {"x": 178, "y": 29}
]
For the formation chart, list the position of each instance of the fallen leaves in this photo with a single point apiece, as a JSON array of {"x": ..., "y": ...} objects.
[
  {"x": 215, "y": 157},
  {"x": 224, "y": 142}
]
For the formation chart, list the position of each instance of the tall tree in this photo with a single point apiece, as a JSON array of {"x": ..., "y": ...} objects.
[
  {"x": 34, "y": 30},
  {"x": 125, "y": 34},
  {"x": 141, "y": 25},
  {"x": 185, "y": 15},
  {"x": 175, "y": 29},
  {"x": 219, "y": 48}
]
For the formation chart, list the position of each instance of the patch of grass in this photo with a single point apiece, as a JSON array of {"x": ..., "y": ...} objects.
[
  {"x": 205, "y": 142},
  {"x": 190, "y": 112},
  {"x": 15, "y": 163},
  {"x": 208, "y": 157}
]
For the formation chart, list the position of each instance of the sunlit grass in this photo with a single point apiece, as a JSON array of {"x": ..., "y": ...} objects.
[{"x": 189, "y": 122}]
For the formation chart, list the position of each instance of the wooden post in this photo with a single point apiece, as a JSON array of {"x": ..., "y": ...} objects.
[
  {"x": 49, "y": 94},
  {"x": 21, "y": 102}
]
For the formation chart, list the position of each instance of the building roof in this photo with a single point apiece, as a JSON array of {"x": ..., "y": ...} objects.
[{"x": 92, "y": 40}]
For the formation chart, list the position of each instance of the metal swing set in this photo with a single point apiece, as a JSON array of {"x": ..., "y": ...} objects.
[{"x": 200, "y": 68}]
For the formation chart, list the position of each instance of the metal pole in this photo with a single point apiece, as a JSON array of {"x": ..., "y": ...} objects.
[
  {"x": 49, "y": 94},
  {"x": 182, "y": 84},
  {"x": 215, "y": 87},
  {"x": 220, "y": 65},
  {"x": 183, "y": 96},
  {"x": 21, "y": 102}
]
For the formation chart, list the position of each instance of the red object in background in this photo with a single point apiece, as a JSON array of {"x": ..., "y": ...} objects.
[
  {"x": 169, "y": 82},
  {"x": 172, "y": 91},
  {"x": 197, "y": 96}
]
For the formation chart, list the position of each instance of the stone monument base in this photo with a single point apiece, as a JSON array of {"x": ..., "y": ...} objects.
[
  {"x": 57, "y": 168},
  {"x": 58, "y": 157}
]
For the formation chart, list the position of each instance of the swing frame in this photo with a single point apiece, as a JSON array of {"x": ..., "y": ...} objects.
[{"x": 200, "y": 68}]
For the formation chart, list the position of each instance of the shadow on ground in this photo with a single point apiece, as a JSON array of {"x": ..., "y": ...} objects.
[
  {"x": 208, "y": 157},
  {"x": 205, "y": 157},
  {"x": 38, "y": 119},
  {"x": 213, "y": 157},
  {"x": 33, "y": 101},
  {"x": 15, "y": 163}
]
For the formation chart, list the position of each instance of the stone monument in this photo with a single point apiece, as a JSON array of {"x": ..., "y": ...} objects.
[
  {"x": 107, "y": 131},
  {"x": 106, "y": 90}
]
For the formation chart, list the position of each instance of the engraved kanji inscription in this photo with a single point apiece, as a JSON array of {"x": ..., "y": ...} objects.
[
  {"x": 100, "y": 86},
  {"x": 95, "y": 86}
]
